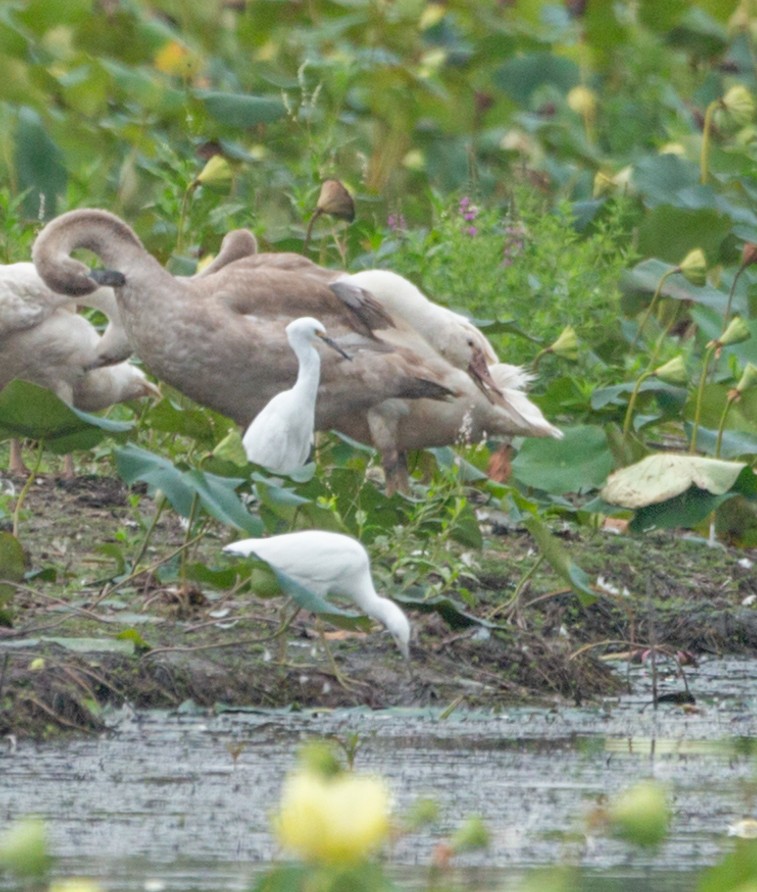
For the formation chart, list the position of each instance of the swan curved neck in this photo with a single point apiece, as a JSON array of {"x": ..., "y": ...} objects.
[{"x": 101, "y": 232}]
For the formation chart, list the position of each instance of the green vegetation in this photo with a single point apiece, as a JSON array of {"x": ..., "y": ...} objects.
[{"x": 553, "y": 170}]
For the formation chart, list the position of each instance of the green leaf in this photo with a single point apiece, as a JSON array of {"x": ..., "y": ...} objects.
[
  {"x": 240, "y": 109},
  {"x": 663, "y": 476},
  {"x": 216, "y": 494},
  {"x": 523, "y": 74},
  {"x": 134, "y": 464},
  {"x": 685, "y": 510},
  {"x": 560, "y": 560},
  {"x": 12, "y": 566},
  {"x": 91, "y": 645},
  {"x": 671, "y": 232},
  {"x": 645, "y": 277},
  {"x": 133, "y": 636},
  {"x": 579, "y": 462},
  {"x": 660, "y": 178},
  {"x": 219, "y": 499},
  {"x": 27, "y": 410},
  {"x": 737, "y": 870},
  {"x": 39, "y": 165}
]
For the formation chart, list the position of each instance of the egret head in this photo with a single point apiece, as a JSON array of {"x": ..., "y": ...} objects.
[
  {"x": 398, "y": 625},
  {"x": 306, "y": 329}
]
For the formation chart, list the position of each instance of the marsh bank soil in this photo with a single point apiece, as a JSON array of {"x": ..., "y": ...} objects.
[{"x": 212, "y": 646}]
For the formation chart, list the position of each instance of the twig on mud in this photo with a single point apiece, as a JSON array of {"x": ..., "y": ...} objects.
[
  {"x": 509, "y": 608},
  {"x": 238, "y": 642},
  {"x": 56, "y": 716},
  {"x": 109, "y": 589}
]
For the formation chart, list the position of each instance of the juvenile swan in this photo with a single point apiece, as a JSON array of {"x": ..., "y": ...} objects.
[
  {"x": 330, "y": 564},
  {"x": 219, "y": 338},
  {"x": 280, "y": 436},
  {"x": 44, "y": 340}
]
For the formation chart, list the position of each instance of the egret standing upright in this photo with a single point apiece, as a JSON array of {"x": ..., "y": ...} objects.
[{"x": 280, "y": 435}]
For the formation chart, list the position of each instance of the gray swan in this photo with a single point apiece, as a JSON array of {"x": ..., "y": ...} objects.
[
  {"x": 219, "y": 338},
  {"x": 44, "y": 340}
]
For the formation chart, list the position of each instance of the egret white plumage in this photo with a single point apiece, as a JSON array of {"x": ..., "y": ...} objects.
[
  {"x": 329, "y": 563},
  {"x": 280, "y": 435}
]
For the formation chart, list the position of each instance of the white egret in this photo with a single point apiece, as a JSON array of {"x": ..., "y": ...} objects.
[
  {"x": 280, "y": 435},
  {"x": 329, "y": 563}
]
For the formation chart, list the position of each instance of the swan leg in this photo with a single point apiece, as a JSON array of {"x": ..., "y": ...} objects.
[
  {"x": 383, "y": 424},
  {"x": 16, "y": 460},
  {"x": 69, "y": 472}
]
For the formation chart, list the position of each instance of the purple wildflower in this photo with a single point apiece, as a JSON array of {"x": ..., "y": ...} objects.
[
  {"x": 396, "y": 222},
  {"x": 515, "y": 242},
  {"x": 468, "y": 210}
]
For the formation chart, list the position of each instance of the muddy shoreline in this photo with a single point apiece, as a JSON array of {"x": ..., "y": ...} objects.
[{"x": 80, "y": 642}]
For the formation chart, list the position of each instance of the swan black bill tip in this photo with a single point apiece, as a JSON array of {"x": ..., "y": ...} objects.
[{"x": 110, "y": 277}]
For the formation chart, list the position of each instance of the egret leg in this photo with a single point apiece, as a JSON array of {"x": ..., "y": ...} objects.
[{"x": 342, "y": 679}]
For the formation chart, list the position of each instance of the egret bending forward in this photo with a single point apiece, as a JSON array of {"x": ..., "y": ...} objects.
[
  {"x": 280, "y": 435},
  {"x": 329, "y": 564}
]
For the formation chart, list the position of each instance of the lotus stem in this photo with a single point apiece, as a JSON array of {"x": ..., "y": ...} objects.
[
  {"x": 25, "y": 489},
  {"x": 723, "y": 418},
  {"x": 706, "y": 131},
  {"x": 632, "y": 402},
  {"x": 652, "y": 304},
  {"x": 700, "y": 395}
]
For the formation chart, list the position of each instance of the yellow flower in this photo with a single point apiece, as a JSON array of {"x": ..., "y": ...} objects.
[
  {"x": 175, "y": 59},
  {"x": 640, "y": 814},
  {"x": 333, "y": 820},
  {"x": 583, "y": 101}
]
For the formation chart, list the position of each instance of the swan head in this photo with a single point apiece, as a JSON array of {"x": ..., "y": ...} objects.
[
  {"x": 478, "y": 370},
  {"x": 96, "y": 230}
]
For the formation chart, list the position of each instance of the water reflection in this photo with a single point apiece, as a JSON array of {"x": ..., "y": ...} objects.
[{"x": 184, "y": 800}]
